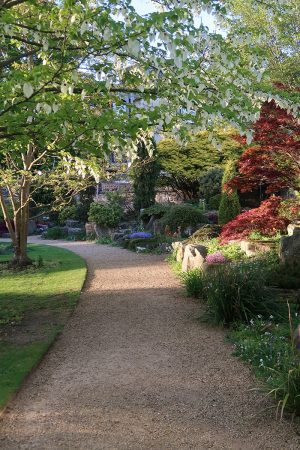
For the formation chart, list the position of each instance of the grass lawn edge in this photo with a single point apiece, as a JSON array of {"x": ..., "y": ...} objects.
[{"x": 46, "y": 346}]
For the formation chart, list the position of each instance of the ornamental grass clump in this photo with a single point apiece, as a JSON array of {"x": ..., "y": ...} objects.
[
  {"x": 237, "y": 293},
  {"x": 195, "y": 283}
]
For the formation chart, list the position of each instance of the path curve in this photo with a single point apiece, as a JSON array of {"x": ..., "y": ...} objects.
[{"x": 134, "y": 369}]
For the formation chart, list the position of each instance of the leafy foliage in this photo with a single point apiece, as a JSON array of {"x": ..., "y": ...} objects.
[
  {"x": 290, "y": 209},
  {"x": 233, "y": 292},
  {"x": 56, "y": 233},
  {"x": 181, "y": 216},
  {"x": 211, "y": 183},
  {"x": 231, "y": 251},
  {"x": 105, "y": 215},
  {"x": 214, "y": 202},
  {"x": 156, "y": 210},
  {"x": 278, "y": 36},
  {"x": 108, "y": 74},
  {"x": 69, "y": 212},
  {"x": 286, "y": 276},
  {"x": 205, "y": 233},
  {"x": 145, "y": 171},
  {"x": 265, "y": 219},
  {"x": 195, "y": 283},
  {"x": 273, "y": 160},
  {"x": 229, "y": 205},
  {"x": 192, "y": 166}
]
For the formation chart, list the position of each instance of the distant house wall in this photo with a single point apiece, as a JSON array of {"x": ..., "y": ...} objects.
[{"x": 163, "y": 195}]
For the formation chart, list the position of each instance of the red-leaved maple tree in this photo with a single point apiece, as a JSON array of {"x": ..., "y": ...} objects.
[
  {"x": 266, "y": 219},
  {"x": 274, "y": 159}
]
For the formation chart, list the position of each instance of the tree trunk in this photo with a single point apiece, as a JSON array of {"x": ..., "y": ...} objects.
[
  {"x": 21, "y": 258},
  {"x": 20, "y": 204}
]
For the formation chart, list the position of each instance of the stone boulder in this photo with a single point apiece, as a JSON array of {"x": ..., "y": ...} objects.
[
  {"x": 194, "y": 257},
  {"x": 293, "y": 227},
  {"x": 252, "y": 248},
  {"x": 289, "y": 250},
  {"x": 179, "y": 247}
]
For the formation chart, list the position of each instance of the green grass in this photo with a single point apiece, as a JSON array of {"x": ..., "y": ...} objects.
[{"x": 34, "y": 305}]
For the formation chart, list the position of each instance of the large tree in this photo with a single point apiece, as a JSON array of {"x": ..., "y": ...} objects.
[
  {"x": 273, "y": 160},
  {"x": 183, "y": 164},
  {"x": 68, "y": 67},
  {"x": 276, "y": 26}
]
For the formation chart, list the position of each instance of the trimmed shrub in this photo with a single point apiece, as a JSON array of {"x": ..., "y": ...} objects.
[
  {"x": 69, "y": 212},
  {"x": 55, "y": 233},
  {"x": 181, "y": 216},
  {"x": 105, "y": 215},
  {"x": 156, "y": 210}
]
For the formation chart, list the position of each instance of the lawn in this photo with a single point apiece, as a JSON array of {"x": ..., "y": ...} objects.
[{"x": 34, "y": 306}]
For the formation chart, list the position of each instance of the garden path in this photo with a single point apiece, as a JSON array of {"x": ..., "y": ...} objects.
[{"x": 134, "y": 369}]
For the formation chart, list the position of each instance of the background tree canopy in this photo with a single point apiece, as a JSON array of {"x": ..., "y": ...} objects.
[
  {"x": 277, "y": 26},
  {"x": 183, "y": 165}
]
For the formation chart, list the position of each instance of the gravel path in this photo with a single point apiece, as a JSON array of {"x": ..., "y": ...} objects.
[{"x": 134, "y": 369}]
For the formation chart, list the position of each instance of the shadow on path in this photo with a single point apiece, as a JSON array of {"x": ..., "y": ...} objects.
[{"x": 134, "y": 369}]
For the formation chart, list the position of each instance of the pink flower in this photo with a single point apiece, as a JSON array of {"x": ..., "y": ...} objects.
[{"x": 216, "y": 258}]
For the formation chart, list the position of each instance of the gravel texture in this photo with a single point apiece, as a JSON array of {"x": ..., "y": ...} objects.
[{"x": 135, "y": 369}]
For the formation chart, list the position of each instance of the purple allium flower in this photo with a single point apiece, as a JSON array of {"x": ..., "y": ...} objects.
[
  {"x": 216, "y": 258},
  {"x": 140, "y": 234}
]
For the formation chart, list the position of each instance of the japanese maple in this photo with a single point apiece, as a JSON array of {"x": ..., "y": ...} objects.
[
  {"x": 274, "y": 159},
  {"x": 265, "y": 219}
]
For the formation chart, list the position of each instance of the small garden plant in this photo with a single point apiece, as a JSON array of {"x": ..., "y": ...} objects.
[{"x": 268, "y": 346}]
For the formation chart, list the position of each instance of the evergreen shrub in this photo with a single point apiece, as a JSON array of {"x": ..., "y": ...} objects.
[
  {"x": 105, "y": 215},
  {"x": 181, "y": 216},
  {"x": 229, "y": 205}
]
